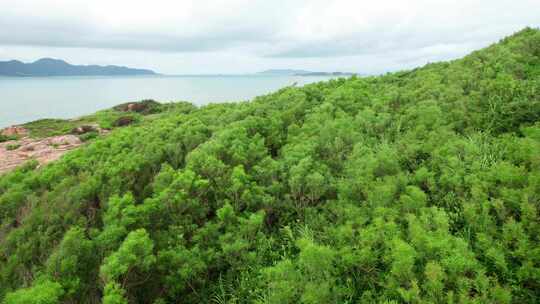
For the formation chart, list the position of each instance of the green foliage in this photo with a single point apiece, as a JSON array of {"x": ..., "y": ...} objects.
[
  {"x": 12, "y": 147},
  {"x": 113, "y": 294},
  {"x": 72, "y": 262},
  {"x": 4, "y": 138},
  {"x": 42, "y": 293},
  {"x": 419, "y": 186},
  {"x": 104, "y": 119},
  {"x": 88, "y": 136},
  {"x": 135, "y": 253},
  {"x": 49, "y": 127}
]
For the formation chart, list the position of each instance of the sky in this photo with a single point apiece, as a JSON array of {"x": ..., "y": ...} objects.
[{"x": 245, "y": 36}]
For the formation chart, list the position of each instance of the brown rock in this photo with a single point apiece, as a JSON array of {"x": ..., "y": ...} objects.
[
  {"x": 43, "y": 150},
  {"x": 136, "y": 107},
  {"x": 15, "y": 131},
  {"x": 64, "y": 140},
  {"x": 146, "y": 106},
  {"x": 124, "y": 121},
  {"x": 83, "y": 129}
]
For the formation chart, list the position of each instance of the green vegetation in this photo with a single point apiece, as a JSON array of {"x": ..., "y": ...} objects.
[
  {"x": 88, "y": 136},
  {"x": 133, "y": 112},
  {"x": 4, "y": 138},
  {"x": 49, "y": 127},
  {"x": 53, "y": 127},
  {"x": 413, "y": 187},
  {"x": 11, "y": 147}
]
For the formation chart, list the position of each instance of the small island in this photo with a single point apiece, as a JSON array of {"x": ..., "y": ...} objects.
[{"x": 291, "y": 72}]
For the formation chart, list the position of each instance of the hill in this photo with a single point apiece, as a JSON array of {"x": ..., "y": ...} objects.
[
  {"x": 421, "y": 186},
  {"x": 55, "y": 67}
]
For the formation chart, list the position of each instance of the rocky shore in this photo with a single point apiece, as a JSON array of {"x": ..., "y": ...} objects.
[
  {"x": 14, "y": 153},
  {"x": 23, "y": 148},
  {"x": 48, "y": 139}
]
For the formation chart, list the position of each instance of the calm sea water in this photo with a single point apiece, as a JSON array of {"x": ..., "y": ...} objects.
[{"x": 26, "y": 99}]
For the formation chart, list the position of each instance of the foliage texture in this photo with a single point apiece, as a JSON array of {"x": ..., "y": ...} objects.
[{"x": 420, "y": 186}]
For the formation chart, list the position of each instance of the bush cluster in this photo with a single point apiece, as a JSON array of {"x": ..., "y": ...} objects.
[{"x": 412, "y": 187}]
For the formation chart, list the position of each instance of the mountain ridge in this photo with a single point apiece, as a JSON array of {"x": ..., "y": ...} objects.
[{"x": 56, "y": 67}]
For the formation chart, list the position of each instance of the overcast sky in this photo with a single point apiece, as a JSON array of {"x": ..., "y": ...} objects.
[{"x": 241, "y": 36}]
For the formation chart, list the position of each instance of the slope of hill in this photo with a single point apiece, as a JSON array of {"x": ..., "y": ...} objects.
[
  {"x": 55, "y": 67},
  {"x": 421, "y": 186}
]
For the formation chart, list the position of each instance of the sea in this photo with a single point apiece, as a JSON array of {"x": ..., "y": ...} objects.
[{"x": 25, "y": 99}]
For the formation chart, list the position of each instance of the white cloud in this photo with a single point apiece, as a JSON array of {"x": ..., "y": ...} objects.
[{"x": 244, "y": 36}]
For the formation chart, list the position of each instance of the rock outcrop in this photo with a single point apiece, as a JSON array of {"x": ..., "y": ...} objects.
[
  {"x": 14, "y": 131},
  {"x": 43, "y": 150},
  {"x": 147, "y": 106},
  {"x": 123, "y": 121},
  {"x": 84, "y": 129}
]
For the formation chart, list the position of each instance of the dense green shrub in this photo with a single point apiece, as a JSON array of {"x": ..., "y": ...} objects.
[
  {"x": 4, "y": 138},
  {"x": 420, "y": 186},
  {"x": 88, "y": 136}
]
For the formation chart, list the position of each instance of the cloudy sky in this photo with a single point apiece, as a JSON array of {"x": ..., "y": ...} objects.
[{"x": 242, "y": 36}]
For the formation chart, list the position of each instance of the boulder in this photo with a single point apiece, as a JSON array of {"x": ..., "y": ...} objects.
[
  {"x": 147, "y": 106},
  {"x": 14, "y": 131},
  {"x": 83, "y": 129},
  {"x": 123, "y": 121},
  {"x": 64, "y": 140},
  {"x": 136, "y": 107}
]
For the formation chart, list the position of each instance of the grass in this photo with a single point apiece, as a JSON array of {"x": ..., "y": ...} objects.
[
  {"x": 4, "y": 138},
  {"x": 54, "y": 127},
  {"x": 12, "y": 147},
  {"x": 49, "y": 127},
  {"x": 105, "y": 119},
  {"x": 88, "y": 136}
]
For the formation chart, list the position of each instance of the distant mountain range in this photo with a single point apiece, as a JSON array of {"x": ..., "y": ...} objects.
[
  {"x": 290, "y": 72},
  {"x": 56, "y": 67},
  {"x": 284, "y": 72}
]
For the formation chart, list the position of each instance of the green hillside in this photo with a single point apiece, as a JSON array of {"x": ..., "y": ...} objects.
[{"x": 420, "y": 186}]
